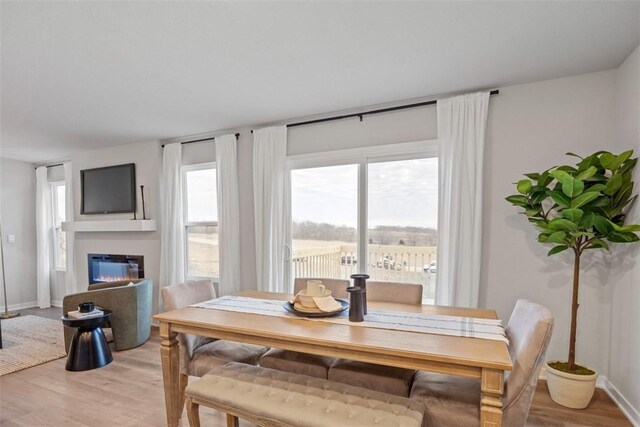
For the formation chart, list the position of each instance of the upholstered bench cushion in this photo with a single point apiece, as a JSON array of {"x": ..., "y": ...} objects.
[
  {"x": 449, "y": 400},
  {"x": 220, "y": 352},
  {"x": 297, "y": 363},
  {"x": 297, "y": 400},
  {"x": 386, "y": 379}
]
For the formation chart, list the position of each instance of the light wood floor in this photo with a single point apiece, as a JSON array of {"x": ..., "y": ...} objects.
[{"x": 129, "y": 392}]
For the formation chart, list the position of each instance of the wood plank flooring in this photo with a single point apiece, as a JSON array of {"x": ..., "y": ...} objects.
[{"x": 129, "y": 392}]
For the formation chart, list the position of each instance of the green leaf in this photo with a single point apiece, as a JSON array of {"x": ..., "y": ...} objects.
[
  {"x": 557, "y": 237},
  {"x": 598, "y": 243},
  {"x": 592, "y": 160},
  {"x": 614, "y": 184},
  {"x": 574, "y": 155},
  {"x": 545, "y": 179},
  {"x": 623, "y": 157},
  {"x": 602, "y": 224},
  {"x": 596, "y": 188},
  {"x": 630, "y": 228},
  {"x": 621, "y": 237},
  {"x": 543, "y": 237},
  {"x": 624, "y": 193},
  {"x": 628, "y": 166},
  {"x": 562, "y": 224},
  {"x": 572, "y": 187},
  {"x": 587, "y": 220},
  {"x": 557, "y": 250},
  {"x": 586, "y": 174},
  {"x": 607, "y": 160},
  {"x": 561, "y": 175},
  {"x": 518, "y": 200},
  {"x": 573, "y": 215},
  {"x": 533, "y": 175},
  {"x": 524, "y": 186},
  {"x": 560, "y": 198},
  {"x": 583, "y": 199}
]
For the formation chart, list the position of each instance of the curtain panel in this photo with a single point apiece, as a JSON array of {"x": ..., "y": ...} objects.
[
  {"x": 270, "y": 201},
  {"x": 228, "y": 214},
  {"x": 44, "y": 231},
  {"x": 172, "y": 251},
  {"x": 462, "y": 124},
  {"x": 70, "y": 275}
]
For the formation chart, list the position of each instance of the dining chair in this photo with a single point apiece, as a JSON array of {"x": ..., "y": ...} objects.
[
  {"x": 454, "y": 400},
  {"x": 198, "y": 355},
  {"x": 303, "y": 363},
  {"x": 386, "y": 379}
]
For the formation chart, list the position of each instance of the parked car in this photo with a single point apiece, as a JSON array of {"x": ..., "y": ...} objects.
[
  {"x": 348, "y": 260},
  {"x": 430, "y": 268}
]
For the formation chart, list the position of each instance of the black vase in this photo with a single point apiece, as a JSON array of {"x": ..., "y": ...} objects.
[
  {"x": 356, "y": 304},
  {"x": 360, "y": 281}
]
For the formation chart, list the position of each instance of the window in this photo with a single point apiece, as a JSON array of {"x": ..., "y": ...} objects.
[
  {"x": 201, "y": 220},
  {"x": 368, "y": 211},
  {"x": 59, "y": 241}
]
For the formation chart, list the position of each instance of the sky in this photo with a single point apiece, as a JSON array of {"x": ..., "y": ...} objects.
[{"x": 401, "y": 193}]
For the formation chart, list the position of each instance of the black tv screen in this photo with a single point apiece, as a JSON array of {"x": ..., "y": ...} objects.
[{"x": 110, "y": 189}]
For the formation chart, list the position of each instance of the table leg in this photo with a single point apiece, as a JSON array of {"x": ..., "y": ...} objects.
[
  {"x": 491, "y": 399},
  {"x": 170, "y": 358}
]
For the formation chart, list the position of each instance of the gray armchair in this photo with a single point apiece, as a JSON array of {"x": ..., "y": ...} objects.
[{"x": 130, "y": 305}]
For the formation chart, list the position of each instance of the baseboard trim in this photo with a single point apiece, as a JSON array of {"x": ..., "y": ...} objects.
[
  {"x": 22, "y": 306},
  {"x": 56, "y": 303},
  {"x": 633, "y": 414}
]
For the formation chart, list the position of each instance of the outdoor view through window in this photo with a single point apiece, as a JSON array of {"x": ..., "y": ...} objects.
[
  {"x": 201, "y": 222},
  {"x": 401, "y": 213}
]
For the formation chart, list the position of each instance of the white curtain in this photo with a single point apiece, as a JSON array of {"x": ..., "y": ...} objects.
[
  {"x": 228, "y": 214},
  {"x": 70, "y": 274},
  {"x": 172, "y": 253},
  {"x": 44, "y": 230},
  {"x": 461, "y": 133},
  {"x": 269, "y": 155}
]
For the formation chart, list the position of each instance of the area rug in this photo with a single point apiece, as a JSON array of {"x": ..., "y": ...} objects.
[{"x": 29, "y": 341}]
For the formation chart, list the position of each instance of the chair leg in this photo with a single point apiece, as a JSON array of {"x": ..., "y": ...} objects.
[
  {"x": 232, "y": 421},
  {"x": 192, "y": 413},
  {"x": 184, "y": 380}
]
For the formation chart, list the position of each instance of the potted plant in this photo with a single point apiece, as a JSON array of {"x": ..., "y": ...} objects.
[{"x": 579, "y": 207}]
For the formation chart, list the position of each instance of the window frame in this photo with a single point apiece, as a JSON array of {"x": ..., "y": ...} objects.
[
  {"x": 56, "y": 227},
  {"x": 362, "y": 157},
  {"x": 184, "y": 170}
]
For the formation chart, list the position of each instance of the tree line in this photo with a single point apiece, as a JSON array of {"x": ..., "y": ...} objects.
[{"x": 381, "y": 235}]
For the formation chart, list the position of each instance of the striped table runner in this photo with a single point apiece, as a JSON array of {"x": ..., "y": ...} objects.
[{"x": 470, "y": 327}]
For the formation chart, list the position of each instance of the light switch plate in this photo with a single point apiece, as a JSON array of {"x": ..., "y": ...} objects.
[{"x": 11, "y": 238}]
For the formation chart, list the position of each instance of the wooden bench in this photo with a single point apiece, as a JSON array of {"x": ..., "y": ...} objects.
[{"x": 268, "y": 397}]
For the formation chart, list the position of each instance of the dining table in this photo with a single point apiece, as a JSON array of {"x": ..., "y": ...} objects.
[{"x": 483, "y": 359}]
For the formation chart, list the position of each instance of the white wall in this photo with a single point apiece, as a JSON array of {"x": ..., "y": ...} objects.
[
  {"x": 18, "y": 205},
  {"x": 148, "y": 160},
  {"x": 624, "y": 370},
  {"x": 530, "y": 129}
]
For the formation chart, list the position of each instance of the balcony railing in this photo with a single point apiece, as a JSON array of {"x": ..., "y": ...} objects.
[{"x": 407, "y": 264}]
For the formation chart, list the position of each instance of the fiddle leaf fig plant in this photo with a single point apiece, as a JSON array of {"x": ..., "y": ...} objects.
[{"x": 580, "y": 207}]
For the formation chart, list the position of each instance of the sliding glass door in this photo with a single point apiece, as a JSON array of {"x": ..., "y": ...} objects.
[{"x": 366, "y": 212}]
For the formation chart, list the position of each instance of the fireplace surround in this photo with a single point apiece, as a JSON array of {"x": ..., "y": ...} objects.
[{"x": 111, "y": 267}]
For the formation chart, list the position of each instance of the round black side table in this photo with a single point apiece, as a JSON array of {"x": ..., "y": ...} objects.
[{"x": 89, "y": 348}]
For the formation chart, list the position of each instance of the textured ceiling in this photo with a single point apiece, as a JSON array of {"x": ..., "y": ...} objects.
[{"x": 82, "y": 75}]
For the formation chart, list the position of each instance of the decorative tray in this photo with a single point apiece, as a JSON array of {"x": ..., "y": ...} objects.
[{"x": 289, "y": 307}]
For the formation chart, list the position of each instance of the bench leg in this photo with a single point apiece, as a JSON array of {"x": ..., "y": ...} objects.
[
  {"x": 184, "y": 380},
  {"x": 192, "y": 413},
  {"x": 232, "y": 421}
]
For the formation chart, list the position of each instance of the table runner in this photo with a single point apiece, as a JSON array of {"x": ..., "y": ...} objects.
[{"x": 396, "y": 320}]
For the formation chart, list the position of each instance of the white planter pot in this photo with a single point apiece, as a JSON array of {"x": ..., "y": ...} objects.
[{"x": 570, "y": 390}]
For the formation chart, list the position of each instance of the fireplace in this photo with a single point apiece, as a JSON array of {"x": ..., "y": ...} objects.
[{"x": 110, "y": 267}]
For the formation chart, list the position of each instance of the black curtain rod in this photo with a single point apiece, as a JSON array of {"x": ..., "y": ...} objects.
[
  {"x": 51, "y": 166},
  {"x": 200, "y": 140},
  {"x": 366, "y": 113}
]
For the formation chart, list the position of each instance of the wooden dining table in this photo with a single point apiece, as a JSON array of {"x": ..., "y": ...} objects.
[{"x": 486, "y": 360}]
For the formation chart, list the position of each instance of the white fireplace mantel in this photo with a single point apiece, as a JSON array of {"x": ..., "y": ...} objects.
[{"x": 111, "y": 225}]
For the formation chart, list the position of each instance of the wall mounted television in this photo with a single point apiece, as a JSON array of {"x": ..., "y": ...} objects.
[{"x": 108, "y": 190}]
